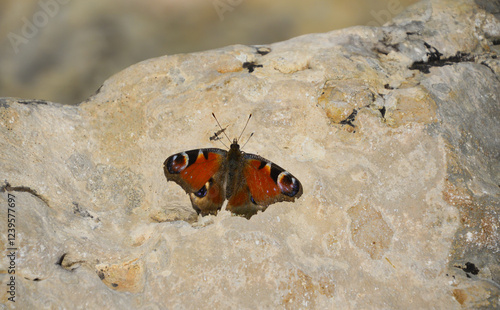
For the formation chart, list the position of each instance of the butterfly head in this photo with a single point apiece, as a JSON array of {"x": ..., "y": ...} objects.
[
  {"x": 235, "y": 145},
  {"x": 234, "y": 151}
]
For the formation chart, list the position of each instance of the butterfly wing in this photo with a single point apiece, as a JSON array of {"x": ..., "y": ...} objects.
[
  {"x": 201, "y": 173},
  {"x": 263, "y": 183}
]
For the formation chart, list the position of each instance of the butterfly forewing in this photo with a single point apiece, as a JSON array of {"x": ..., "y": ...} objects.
[
  {"x": 269, "y": 183},
  {"x": 193, "y": 169}
]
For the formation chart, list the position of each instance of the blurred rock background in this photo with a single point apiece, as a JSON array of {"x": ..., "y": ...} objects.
[{"x": 63, "y": 50}]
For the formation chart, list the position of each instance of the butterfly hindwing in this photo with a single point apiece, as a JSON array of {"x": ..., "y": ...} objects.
[
  {"x": 264, "y": 183},
  {"x": 201, "y": 174},
  {"x": 242, "y": 203}
]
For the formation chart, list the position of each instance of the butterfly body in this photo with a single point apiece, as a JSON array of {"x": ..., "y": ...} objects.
[{"x": 249, "y": 182}]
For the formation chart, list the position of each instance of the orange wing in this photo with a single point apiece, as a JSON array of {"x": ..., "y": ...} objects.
[
  {"x": 192, "y": 169},
  {"x": 258, "y": 177},
  {"x": 266, "y": 183},
  {"x": 201, "y": 174}
]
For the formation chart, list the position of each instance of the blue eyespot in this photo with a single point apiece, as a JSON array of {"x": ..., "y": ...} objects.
[
  {"x": 202, "y": 192},
  {"x": 253, "y": 201}
]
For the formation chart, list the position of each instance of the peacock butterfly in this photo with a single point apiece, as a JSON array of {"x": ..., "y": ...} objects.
[{"x": 249, "y": 182}]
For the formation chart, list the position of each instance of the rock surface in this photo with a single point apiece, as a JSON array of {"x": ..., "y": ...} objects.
[{"x": 393, "y": 132}]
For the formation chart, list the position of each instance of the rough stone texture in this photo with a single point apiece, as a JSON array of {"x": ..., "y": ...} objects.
[{"x": 393, "y": 132}]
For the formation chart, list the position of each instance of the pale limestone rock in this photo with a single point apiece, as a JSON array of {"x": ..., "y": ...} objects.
[{"x": 400, "y": 170}]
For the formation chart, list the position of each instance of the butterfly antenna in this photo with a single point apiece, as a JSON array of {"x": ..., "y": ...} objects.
[
  {"x": 247, "y": 140},
  {"x": 245, "y": 128},
  {"x": 222, "y": 129},
  {"x": 224, "y": 144}
]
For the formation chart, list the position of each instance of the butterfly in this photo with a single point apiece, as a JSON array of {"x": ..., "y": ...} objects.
[{"x": 249, "y": 182}]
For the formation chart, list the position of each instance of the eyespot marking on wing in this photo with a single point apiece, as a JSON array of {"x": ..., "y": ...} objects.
[
  {"x": 177, "y": 163},
  {"x": 288, "y": 185},
  {"x": 202, "y": 192}
]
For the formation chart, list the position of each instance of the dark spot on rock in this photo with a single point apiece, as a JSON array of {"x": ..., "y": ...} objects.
[
  {"x": 435, "y": 60},
  {"x": 217, "y": 135},
  {"x": 3, "y": 103},
  {"x": 80, "y": 211},
  {"x": 7, "y": 187},
  {"x": 351, "y": 118},
  {"x": 382, "y": 111},
  {"x": 433, "y": 53},
  {"x": 32, "y": 101},
  {"x": 263, "y": 50},
  {"x": 251, "y": 66},
  {"x": 469, "y": 269},
  {"x": 101, "y": 275},
  {"x": 114, "y": 285},
  {"x": 61, "y": 259}
]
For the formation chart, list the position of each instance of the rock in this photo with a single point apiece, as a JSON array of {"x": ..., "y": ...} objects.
[{"x": 393, "y": 132}]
